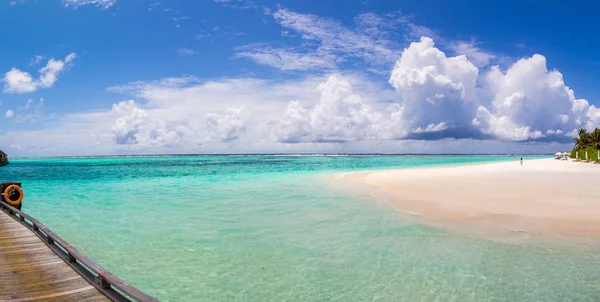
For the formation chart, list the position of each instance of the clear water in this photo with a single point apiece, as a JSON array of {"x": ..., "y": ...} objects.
[{"x": 269, "y": 228}]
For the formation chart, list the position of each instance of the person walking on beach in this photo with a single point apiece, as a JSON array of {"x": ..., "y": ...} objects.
[{"x": 521, "y": 161}]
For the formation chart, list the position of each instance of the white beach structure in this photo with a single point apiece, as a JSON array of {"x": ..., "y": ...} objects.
[{"x": 577, "y": 157}]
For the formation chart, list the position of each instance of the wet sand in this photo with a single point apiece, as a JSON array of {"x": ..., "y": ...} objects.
[{"x": 544, "y": 196}]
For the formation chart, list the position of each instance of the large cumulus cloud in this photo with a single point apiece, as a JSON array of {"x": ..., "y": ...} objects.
[
  {"x": 134, "y": 126},
  {"x": 437, "y": 93},
  {"x": 340, "y": 115},
  {"x": 226, "y": 126},
  {"x": 530, "y": 102}
]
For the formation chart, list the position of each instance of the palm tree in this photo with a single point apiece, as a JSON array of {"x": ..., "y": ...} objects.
[
  {"x": 594, "y": 138},
  {"x": 583, "y": 140}
]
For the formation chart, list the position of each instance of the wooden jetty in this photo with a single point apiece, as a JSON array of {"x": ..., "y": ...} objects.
[{"x": 37, "y": 265}]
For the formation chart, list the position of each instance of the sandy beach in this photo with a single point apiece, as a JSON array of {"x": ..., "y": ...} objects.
[{"x": 543, "y": 196}]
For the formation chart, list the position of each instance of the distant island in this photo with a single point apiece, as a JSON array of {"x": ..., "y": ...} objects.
[{"x": 3, "y": 159}]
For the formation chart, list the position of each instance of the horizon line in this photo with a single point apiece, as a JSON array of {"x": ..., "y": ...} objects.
[{"x": 286, "y": 154}]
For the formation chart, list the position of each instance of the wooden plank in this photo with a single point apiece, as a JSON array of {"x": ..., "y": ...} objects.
[
  {"x": 16, "y": 235},
  {"x": 8, "y": 242},
  {"x": 28, "y": 265},
  {"x": 22, "y": 246},
  {"x": 13, "y": 227},
  {"x": 34, "y": 287},
  {"x": 50, "y": 271},
  {"x": 82, "y": 296},
  {"x": 33, "y": 258},
  {"x": 9, "y": 252},
  {"x": 43, "y": 277},
  {"x": 40, "y": 251},
  {"x": 46, "y": 289},
  {"x": 54, "y": 295}
]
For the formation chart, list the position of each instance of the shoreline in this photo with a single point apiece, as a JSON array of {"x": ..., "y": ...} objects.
[
  {"x": 443, "y": 166},
  {"x": 543, "y": 197}
]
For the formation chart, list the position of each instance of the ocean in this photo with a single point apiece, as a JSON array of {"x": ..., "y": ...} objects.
[{"x": 272, "y": 228}]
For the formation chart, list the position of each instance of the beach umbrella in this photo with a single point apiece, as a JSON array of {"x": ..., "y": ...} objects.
[{"x": 558, "y": 154}]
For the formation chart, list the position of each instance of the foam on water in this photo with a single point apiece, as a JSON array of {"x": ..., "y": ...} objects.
[{"x": 258, "y": 228}]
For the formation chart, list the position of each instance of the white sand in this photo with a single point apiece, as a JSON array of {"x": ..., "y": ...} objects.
[{"x": 542, "y": 196}]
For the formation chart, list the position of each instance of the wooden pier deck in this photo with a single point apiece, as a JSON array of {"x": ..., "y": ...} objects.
[
  {"x": 37, "y": 265},
  {"x": 30, "y": 271}
]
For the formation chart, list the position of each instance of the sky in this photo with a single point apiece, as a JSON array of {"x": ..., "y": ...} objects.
[{"x": 104, "y": 77}]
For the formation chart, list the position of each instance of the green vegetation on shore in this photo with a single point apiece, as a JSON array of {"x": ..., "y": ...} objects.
[{"x": 589, "y": 142}]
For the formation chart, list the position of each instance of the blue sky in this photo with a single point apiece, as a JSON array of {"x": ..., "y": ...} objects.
[{"x": 84, "y": 77}]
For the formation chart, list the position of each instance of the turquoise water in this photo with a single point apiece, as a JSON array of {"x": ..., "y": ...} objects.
[{"x": 269, "y": 228}]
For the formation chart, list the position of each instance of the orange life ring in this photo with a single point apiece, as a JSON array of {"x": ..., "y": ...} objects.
[{"x": 8, "y": 192}]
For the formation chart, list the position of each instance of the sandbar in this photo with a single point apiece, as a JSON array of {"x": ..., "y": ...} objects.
[{"x": 543, "y": 196}]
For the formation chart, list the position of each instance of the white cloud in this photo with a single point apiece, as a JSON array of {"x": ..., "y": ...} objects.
[
  {"x": 334, "y": 37},
  {"x": 340, "y": 115},
  {"x": 432, "y": 128},
  {"x": 416, "y": 31},
  {"x": 178, "y": 114},
  {"x": 29, "y": 103},
  {"x": 379, "y": 26},
  {"x": 226, "y": 127},
  {"x": 18, "y": 81},
  {"x": 134, "y": 125},
  {"x": 129, "y": 123},
  {"x": 9, "y": 114},
  {"x": 48, "y": 74},
  {"x": 437, "y": 92},
  {"x": 375, "y": 40},
  {"x": 328, "y": 42},
  {"x": 186, "y": 52},
  {"x": 287, "y": 59},
  {"x": 103, "y": 4},
  {"x": 503, "y": 128},
  {"x": 593, "y": 118},
  {"x": 31, "y": 112},
  {"x": 33, "y": 104},
  {"x": 36, "y": 60},
  {"x": 222, "y": 104},
  {"x": 295, "y": 125},
  {"x": 70, "y": 57},
  {"x": 529, "y": 101},
  {"x": 237, "y": 4},
  {"x": 476, "y": 55}
]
